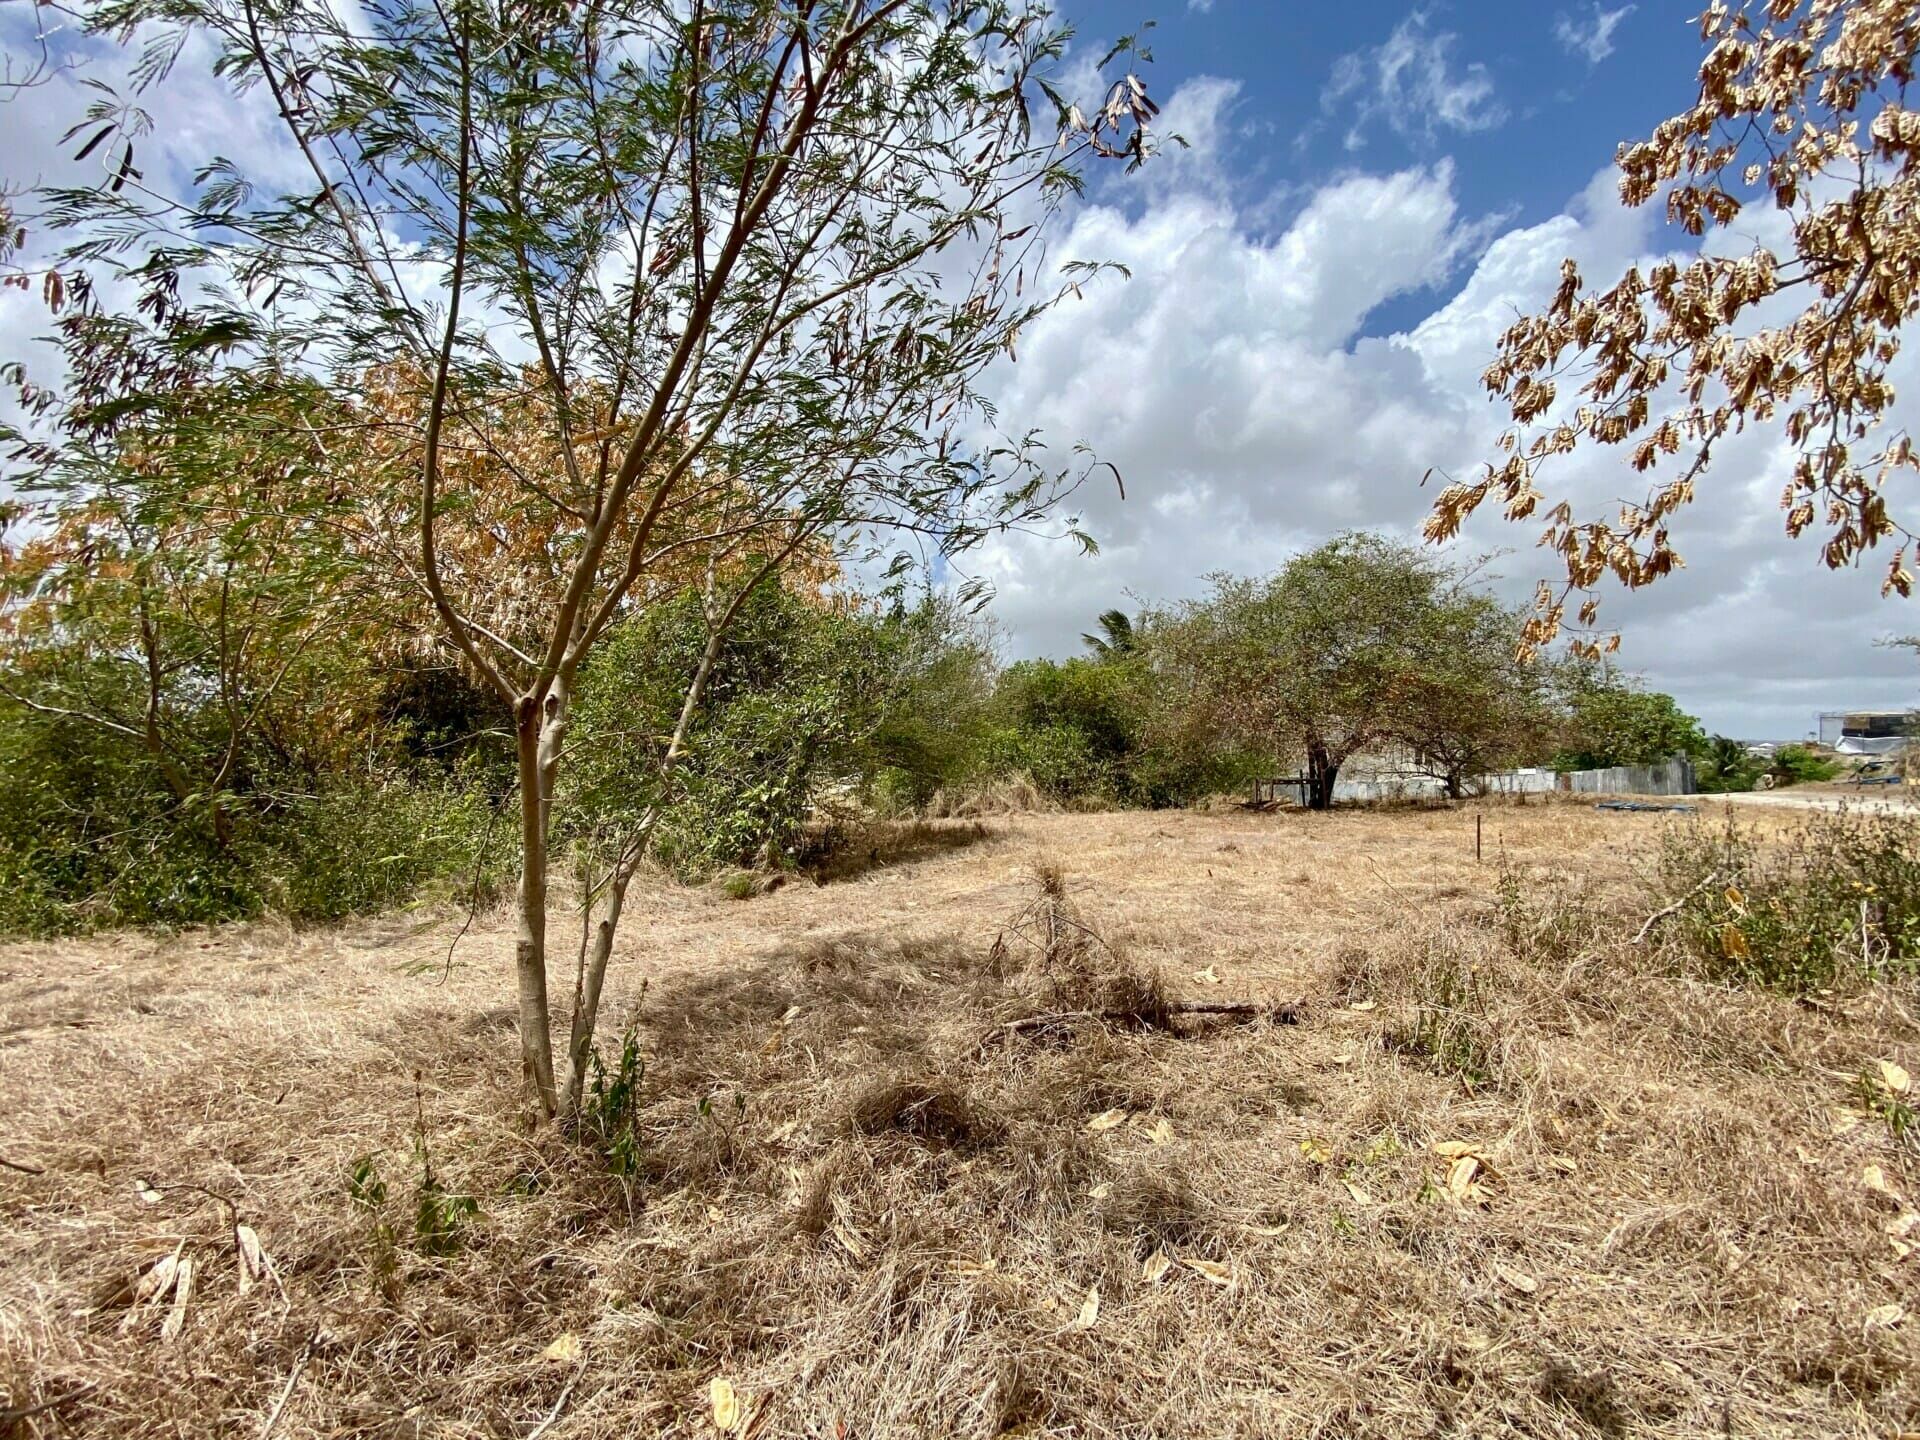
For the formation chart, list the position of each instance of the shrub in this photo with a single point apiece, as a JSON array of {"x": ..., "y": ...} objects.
[
  {"x": 1837, "y": 900},
  {"x": 1797, "y": 765},
  {"x": 1726, "y": 766},
  {"x": 796, "y": 692},
  {"x": 91, "y": 837},
  {"x": 1109, "y": 731},
  {"x": 364, "y": 847}
]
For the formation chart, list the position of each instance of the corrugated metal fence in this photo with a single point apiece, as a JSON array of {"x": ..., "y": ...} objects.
[{"x": 1675, "y": 777}]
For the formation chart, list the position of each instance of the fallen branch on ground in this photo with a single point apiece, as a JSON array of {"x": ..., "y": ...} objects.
[
  {"x": 1284, "y": 1013},
  {"x": 14, "y": 1414},
  {"x": 1674, "y": 908},
  {"x": 545, "y": 1425},
  {"x": 286, "y": 1393}
]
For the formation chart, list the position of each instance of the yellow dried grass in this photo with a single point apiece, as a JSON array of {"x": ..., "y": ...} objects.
[{"x": 895, "y": 1232}]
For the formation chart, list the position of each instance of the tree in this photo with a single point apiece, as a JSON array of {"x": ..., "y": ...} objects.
[
  {"x": 754, "y": 256},
  {"x": 1801, "y": 104},
  {"x": 1116, "y": 637},
  {"x": 1475, "y": 703},
  {"x": 180, "y": 579},
  {"x": 1319, "y": 660},
  {"x": 1612, "y": 719}
]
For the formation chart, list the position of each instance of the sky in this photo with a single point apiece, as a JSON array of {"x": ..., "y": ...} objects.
[
  {"x": 1372, "y": 192},
  {"x": 1369, "y": 193}
]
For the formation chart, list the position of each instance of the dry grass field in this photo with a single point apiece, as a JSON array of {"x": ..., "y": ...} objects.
[{"x": 1491, "y": 1170}]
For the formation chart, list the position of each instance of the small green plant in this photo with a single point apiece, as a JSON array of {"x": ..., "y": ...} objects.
[
  {"x": 1887, "y": 1095},
  {"x": 440, "y": 1218},
  {"x": 368, "y": 1192},
  {"x": 364, "y": 1185},
  {"x": 609, "y": 1116},
  {"x": 1450, "y": 1028},
  {"x": 1545, "y": 922},
  {"x": 1511, "y": 902}
]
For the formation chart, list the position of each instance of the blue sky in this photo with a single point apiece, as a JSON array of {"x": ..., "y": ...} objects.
[
  {"x": 1374, "y": 191},
  {"x": 1548, "y": 91}
]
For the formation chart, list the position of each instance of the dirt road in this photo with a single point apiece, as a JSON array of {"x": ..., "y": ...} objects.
[{"x": 1859, "y": 800}]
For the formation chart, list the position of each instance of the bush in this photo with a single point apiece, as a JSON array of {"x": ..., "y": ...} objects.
[
  {"x": 1106, "y": 731},
  {"x": 91, "y": 837},
  {"x": 797, "y": 693},
  {"x": 1797, "y": 765},
  {"x": 1726, "y": 767},
  {"x": 366, "y": 847},
  {"x": 1837, "y": 901}
]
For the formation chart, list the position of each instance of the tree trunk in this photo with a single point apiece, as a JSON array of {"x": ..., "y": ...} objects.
[
  {"x": 530, "y": 946},
  {"x": 1456, "y": 783},
  {"x": 1322, "y": 771},
  {"x": 593, "y": 960},
  {"x": 587, "y": 985}
]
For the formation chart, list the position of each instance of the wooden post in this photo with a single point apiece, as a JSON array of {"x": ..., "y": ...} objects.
[{"x": 1476, "y": 839}]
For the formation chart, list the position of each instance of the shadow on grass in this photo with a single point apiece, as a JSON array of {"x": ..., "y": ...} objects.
[{"x": 850, "y": 854}]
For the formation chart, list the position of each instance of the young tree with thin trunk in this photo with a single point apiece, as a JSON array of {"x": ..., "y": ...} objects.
[
  {"x": 746, "y": 261},
  {"x": 1803, "y": 108}
]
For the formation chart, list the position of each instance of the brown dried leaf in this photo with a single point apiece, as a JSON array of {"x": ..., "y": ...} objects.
[
  {"x": 1210, "y": 1270},
  {"x": 176, "y": 1320},
  {"x": 1089, "y": 1310}
]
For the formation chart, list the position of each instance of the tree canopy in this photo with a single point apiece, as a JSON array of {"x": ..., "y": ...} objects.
[
  {"x": 1612, "y": 719},
  {"x": 1362, "y": 641},
  {"x": 1802, "y": 110}
]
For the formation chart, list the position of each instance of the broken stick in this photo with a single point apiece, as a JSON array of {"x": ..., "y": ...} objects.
[{"x": 1285, "y": 1013}]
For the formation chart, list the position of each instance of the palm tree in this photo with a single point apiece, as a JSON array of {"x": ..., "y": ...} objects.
[
  {"x": 1116, "y": 639},
  {"x": 1729, "y": 766}
]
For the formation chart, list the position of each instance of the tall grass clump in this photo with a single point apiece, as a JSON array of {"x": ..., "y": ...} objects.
[{"x": 1834, "y": 902}]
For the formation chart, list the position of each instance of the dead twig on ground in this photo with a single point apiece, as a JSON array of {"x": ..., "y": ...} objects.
[
  {"x": 286, "y": 1391},
  {"x": 559, "y": 1405},
  {"x": 1285, "y": 1013},
  {"x": 1674, "y": 908},
  {"x": 13, "y": 1414}
]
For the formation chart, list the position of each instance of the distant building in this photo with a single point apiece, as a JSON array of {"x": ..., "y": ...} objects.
[{"x": 1867, "y": 732}]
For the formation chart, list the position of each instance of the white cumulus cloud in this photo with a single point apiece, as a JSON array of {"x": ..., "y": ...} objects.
[
  {"x": 1411, "y": 83},
  {"x": 1234, "y": 382},
  {"x": 1590, "y": 35}
]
